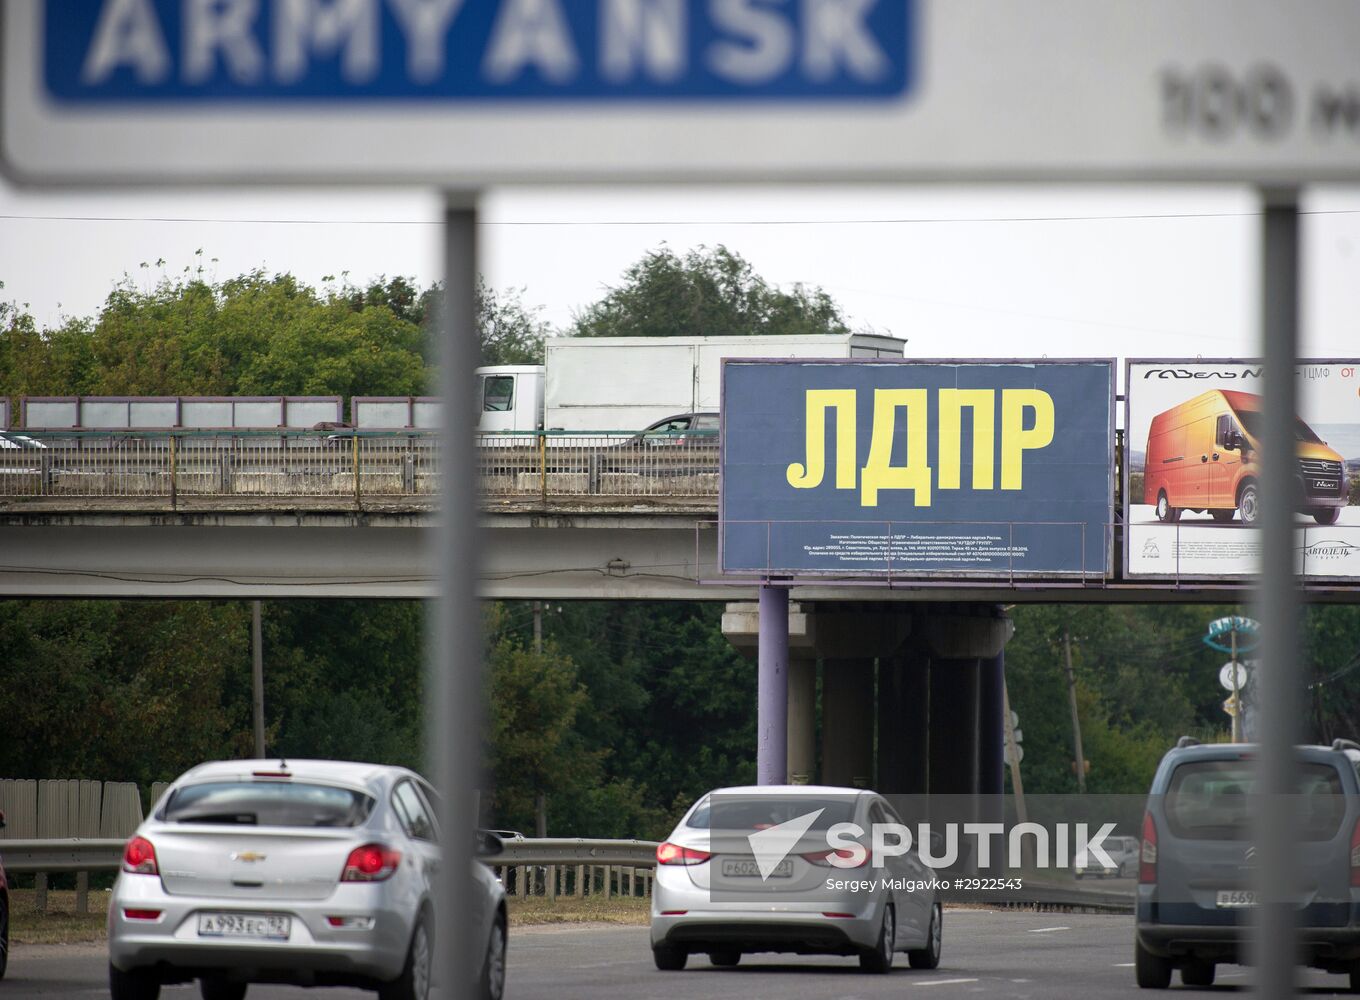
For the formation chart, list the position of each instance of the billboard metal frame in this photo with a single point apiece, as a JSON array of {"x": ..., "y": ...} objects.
[
  {"x": 1104, "y": 574},
  {"x": 1178, "y": 578}
]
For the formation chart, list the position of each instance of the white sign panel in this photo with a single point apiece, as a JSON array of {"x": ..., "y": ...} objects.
[
  {"x": 479, "y": 92},
  {"x": 1233, "y": 676},
  {"x": 1192, "y": 461}
]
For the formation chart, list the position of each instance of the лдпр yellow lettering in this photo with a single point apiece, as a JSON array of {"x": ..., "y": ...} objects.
[{"x": 906, "y": 412}]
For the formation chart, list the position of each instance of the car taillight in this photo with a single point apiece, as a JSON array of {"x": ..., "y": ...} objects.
[
  {"x": 370, "y": 863},
  {"x": 674, "y": 854},
  {"x": 141, "y": 914},
  {"x": 823, "y": 858},
  {"x": 1355, "y": 854},
  {"x": 1147, "y": 855},
  {"x": 139, "y": 857}
]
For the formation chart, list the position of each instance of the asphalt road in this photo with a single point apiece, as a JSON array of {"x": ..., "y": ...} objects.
[{"x": 986, "y": 952}]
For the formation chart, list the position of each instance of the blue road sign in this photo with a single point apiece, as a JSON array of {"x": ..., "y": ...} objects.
[{"x": 249, "y": 51}]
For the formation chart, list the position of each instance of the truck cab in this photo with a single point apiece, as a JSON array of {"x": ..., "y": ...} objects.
[{"x": 510, "y": 398}]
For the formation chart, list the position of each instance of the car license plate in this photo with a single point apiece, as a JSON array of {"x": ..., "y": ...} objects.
[
  {"x": 748, "y": 869},
  {"x": 269, "y": 926},
  {"x": 1228, "y": 899}
]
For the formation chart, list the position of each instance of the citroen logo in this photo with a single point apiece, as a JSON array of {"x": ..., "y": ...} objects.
[
  {"x": 247, "y": 856},
  {"x": 1250, "y": 856}
]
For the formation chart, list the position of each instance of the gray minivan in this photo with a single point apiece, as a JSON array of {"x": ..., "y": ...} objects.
[{"x": 1195, "y": 874}]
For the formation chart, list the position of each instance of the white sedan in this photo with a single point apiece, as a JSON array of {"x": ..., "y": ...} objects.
[{"x": 753, "y": 870}]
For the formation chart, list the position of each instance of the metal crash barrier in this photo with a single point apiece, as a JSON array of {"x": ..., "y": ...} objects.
[{"x": 351, "y": 465}]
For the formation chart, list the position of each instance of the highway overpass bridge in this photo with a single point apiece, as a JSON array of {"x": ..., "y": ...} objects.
[{"x": 344, "y": 514}]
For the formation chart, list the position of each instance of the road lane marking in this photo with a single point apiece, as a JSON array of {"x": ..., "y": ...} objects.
[
  {"x": 1123, "y": 965},
  {"x": 1047, "y": 930},
  {"x": 945, "y": 982}
]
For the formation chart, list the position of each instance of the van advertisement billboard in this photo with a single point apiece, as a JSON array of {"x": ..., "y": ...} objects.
[
  {"x": 908, "y": 468},
  {"x": 1192, "y": 466}
]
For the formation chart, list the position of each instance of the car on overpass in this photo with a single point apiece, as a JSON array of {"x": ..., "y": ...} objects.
[
  {"x": 692, "y": 429},
  {"x": 1196, "y": 885},
  {"x": 314, "y": 873},
  {"x": 755, "y": 869}
]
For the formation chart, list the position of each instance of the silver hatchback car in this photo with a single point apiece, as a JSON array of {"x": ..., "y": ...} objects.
[
  {"x": 315, "y": 873},
  {"x": 720, "y": 891}
]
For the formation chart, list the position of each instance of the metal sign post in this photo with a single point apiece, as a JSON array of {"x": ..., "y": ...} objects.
[
  {"x": 453, "y": 720},
  {"x": 1278, "y": 606}
]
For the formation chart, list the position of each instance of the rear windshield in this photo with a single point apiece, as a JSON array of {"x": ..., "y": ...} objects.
[
  {"x": 268, "y": 803},
  {"x": 1211, "y": 800},
  {"x": 760, "y": 812}
]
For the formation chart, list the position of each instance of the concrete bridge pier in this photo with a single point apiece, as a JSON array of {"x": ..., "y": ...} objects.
[
  {"x": 911, "y": 695},
  {"x": 802, "y": 750},
  {"x": 904, "y": 722},
  {"x": 848, "y": 722},
  {"x": 954, "y": 735}
]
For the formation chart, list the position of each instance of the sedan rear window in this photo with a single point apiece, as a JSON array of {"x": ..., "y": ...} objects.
[
  {"x": 760, "y": 812},
  {"x": 1211, "y": 800},
  {"x": 268, "y": 803}
]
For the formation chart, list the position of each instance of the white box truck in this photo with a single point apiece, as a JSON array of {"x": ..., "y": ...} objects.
[{"x": 629, "y": 383}]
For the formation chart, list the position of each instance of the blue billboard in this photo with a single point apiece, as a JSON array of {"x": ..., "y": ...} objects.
[{"x": 993, "y": 469}]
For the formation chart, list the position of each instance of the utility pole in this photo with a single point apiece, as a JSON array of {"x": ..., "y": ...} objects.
[
  {"x": 1236, "y": 695},
  {"x": 257, "y": 676},
  {"x": 1076, "y": 722},
  {"x": 540, "y": 800}
]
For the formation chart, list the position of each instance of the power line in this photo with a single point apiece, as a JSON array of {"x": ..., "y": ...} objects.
[{"x": 895, "y": 221}]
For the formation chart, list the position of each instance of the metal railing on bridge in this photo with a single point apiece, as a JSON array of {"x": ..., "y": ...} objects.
[{"x": 351, "y": 465}]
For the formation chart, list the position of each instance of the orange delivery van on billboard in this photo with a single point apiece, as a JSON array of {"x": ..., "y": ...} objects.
[{"x": 1203, "y": 455}]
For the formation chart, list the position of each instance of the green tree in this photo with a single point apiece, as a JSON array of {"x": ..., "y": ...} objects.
[
  {"x": 710, "y": 292},
  {"x": 533, "y": 748},
  {"x": 671, "y": 708},
  {"x": 1143, "y": 677},
  {"x": 510, "y": 332},
  {"x": 345, "y": 679},
  {"x": 121, "y": 690}
]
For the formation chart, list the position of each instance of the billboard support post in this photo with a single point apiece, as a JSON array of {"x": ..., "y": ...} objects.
[
  {"x": 455, "y": 630},
  {"x": 772, "y": 685},
  {"x": 1277, "y": 598}
]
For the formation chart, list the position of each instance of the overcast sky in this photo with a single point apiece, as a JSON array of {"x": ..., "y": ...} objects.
[{"x": 959, "y": 272}]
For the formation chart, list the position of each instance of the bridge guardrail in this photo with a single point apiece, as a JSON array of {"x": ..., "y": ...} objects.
[{"x": 352, "y": 465}]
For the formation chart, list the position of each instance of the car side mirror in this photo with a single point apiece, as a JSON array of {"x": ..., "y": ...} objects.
[
  {"x": 1231, "y": 442},
  {"x": 488, "y": 844}
]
